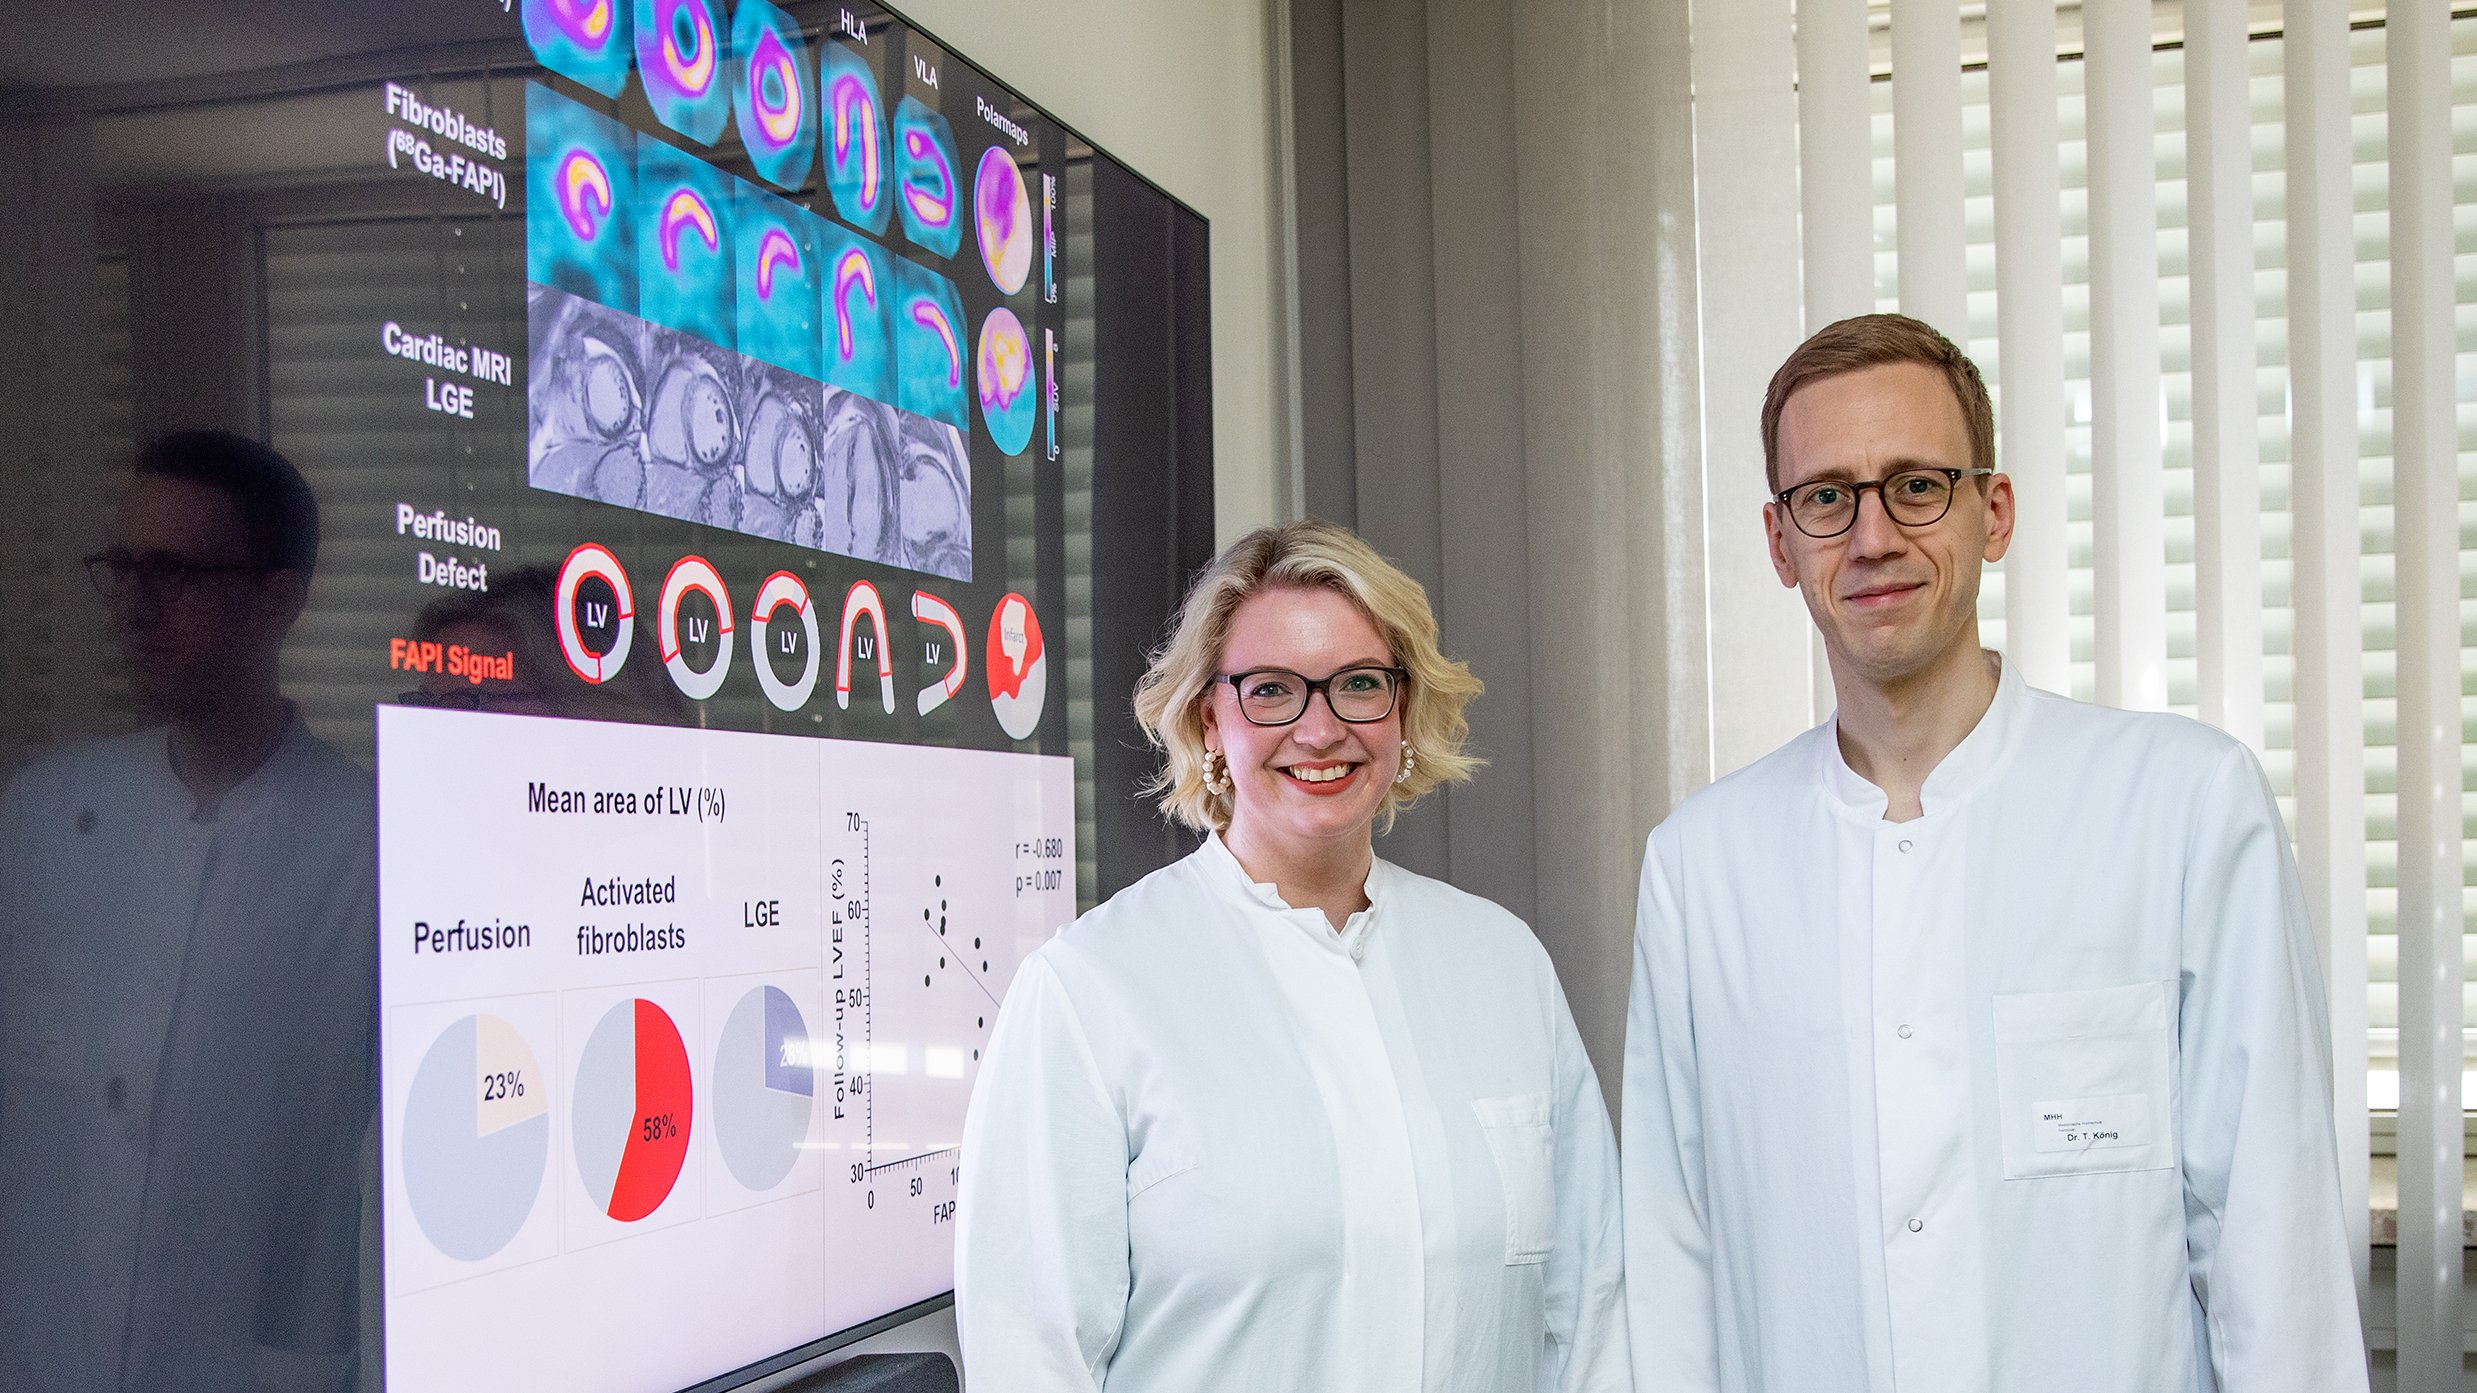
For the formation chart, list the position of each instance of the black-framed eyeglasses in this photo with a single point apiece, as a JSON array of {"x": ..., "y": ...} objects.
[
  {"x": 1911, "y": 497},
  {"x": 157, "y": 575},
  {"x": 453, "y": 699},
  {"x": 518, "y": 699},
  {"x": 1275, "y": 696}
]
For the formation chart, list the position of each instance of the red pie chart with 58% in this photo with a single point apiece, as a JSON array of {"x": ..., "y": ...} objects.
[{"x": 633, "y": 1109}]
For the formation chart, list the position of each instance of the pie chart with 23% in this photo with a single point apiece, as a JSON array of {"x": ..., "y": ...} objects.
[{"x": 476, "y": 1135}]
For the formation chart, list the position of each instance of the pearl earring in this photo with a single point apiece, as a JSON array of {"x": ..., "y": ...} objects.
[
  {"x": 1410, "y": 761},
  {"x": 1216, "y": 774}
]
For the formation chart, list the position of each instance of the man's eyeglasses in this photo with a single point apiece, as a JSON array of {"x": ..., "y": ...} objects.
[
  {"x": 1912, "y": 498},
  {"x": 156, "y": 575},
  {"x": 1273, "y": 696}
]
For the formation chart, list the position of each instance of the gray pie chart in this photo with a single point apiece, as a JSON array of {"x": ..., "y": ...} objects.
[
  {"x": 476, "y": 1137},
  {"x": 764, "y": 1087}
]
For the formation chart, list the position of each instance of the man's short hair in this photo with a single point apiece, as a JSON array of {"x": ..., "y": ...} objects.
[
  {"x": 1872, "y": 340},
  {"x": 274, "y": 501}
]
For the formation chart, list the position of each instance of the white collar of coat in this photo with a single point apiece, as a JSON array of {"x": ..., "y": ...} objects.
[
  {"x": 245, "y": 798},
  {"x": 1971, "y": 763},
  {"x": 1222, "y": 871}
]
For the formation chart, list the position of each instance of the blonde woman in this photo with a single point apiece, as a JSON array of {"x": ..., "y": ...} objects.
[{"x": 1282, "y": 1116}]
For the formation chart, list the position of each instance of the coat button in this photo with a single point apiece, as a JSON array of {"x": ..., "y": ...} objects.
[
  {"x": 1916, "y": 1224},
  {"x": 1903, "y": 1032},
  {"x": 1905, "y": 846}
]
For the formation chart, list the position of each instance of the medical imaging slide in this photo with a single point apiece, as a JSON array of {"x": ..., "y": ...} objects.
[
  {"x": 679, "y": 1027},
  {"x": 585, "y": 41},
  {"x": 925, "y": 173},
  {"x": 776, "y": 97},
  {"x": 731, "y": 777},
  {"x": 681, "y": 56},
  {"x": 859, "y": 166},
  {"x": 686, "y": 326}
]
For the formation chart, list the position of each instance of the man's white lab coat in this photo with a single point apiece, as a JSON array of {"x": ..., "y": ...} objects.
[
  {"x": 2031, "y": 1093},
  {"x": 187, "y": 1020}
]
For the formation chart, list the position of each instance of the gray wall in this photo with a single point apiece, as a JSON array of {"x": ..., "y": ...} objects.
[
  {"x": 1188, "y": 93},
  {"x": 1495, "y": 224}
]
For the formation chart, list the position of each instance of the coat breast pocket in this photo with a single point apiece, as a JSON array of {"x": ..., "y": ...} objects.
[
  {"x": 2086, "y": 1080},
  {"x": 1156, "y": 1164},
  {"x": 1521, "y": 1138}
]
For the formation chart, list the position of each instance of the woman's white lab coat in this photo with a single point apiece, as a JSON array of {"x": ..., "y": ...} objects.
[{"x": 1217, "y": 1145}]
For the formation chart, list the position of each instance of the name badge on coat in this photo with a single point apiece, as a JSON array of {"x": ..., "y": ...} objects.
[{"x": 2086, "y": 1080}]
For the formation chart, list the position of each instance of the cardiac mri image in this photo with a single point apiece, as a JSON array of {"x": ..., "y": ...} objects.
[
  {"x": 635, "y": 414},
  {"x": 859, "y": 168},
  {"x": 682, "y": 54},
  {"x": 780, "y": 281},
  {"x": 580, "y": 217},
  {"x": 773, "y": 94},
  {"x": 778, "y": 476},
  {"x": 586, "y": 400},
  {"x": 931, "y": 349},
  {"x": 895, "y": 486},
  {"x": 857, "y": 344},
  {"x": 1003, "y": 379},
  {"x": 929, "y": 193},
  {"x": 684, "y": 252},
  {"x": 1002, "y": 216},
  {"x": 692, "y": 444},
  {"x": 585, "y": 41}
]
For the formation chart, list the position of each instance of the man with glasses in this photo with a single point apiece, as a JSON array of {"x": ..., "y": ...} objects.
[
  {"x": 187, "y": 973},
  {"x": 1977, "y": 1037}
]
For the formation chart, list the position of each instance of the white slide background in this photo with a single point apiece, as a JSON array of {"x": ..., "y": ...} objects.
[{"x": 890, "y": 890}]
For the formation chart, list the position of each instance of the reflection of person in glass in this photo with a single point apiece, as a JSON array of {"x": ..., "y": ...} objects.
[
  {"x": 1281, "y": 1115},
  {"x": 516, "y": 620},
  {"x": 186, "y": 952}
]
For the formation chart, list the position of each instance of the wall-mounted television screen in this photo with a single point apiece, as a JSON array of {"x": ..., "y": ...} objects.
[{"x": 752, "y": 449}]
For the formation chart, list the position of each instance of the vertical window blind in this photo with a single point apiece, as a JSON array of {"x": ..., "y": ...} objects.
[
  {"x": 2267, "y": 321},
  {"x": 2251, "y": 505}
]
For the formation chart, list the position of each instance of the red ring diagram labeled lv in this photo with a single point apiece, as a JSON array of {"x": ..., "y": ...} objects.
[{"x": 594, "y": 613}]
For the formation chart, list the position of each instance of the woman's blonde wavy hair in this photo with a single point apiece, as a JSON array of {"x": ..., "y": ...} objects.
[{"x": 1169, "y": 701}]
